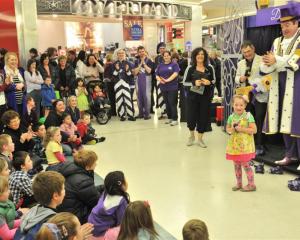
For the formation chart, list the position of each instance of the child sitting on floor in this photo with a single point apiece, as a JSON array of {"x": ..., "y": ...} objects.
[
  {"x": 54, "y": 151},
  {"x": 195, "y": 229},
  {"x": 86, "y": 135},
  {"x": 137, "y": 223},
  {"x": 20, "y": 184},
  {"x": 108, "y": 213},
  {"x": 70, "y": 129},
  {"x": 39, "y": 135},
  {"x": 4, "y": 170},
  {"x": 8, "y": 213},
  {"x": 7, "y": 147}
]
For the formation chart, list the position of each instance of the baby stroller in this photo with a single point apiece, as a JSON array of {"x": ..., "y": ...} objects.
[{"x": 102, "y": 113}]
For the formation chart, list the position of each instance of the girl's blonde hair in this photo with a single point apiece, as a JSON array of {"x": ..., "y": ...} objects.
[
  {"x": 242, "y": 97},
  {"x": 3, "y": 184},
  {"x": 8, "y": 54},
  {"x": 70, "y": 99},
  {"x": 49, "y": 135},
  {"x": 62, "y": 225}
]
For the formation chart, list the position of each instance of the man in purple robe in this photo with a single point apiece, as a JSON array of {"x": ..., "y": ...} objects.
[
  {"x": 283, "y": 62},
  {"x": 143, "y": 69}
]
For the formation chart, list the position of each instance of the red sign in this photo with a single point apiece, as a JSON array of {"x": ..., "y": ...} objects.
[
  {"x": 133, "y": 28},
  {"x": 169, "y": 32},
  {"x": 8, "y": 33}
]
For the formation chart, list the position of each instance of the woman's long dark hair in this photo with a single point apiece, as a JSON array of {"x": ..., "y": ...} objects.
[
  {"x": 113, "y": 184},
  {"x": 31, "y": 61},
  {"x": 43, "y": 57},
  {"x": 87, "y": 60},
  {"x": 194, "y": 56},
  {"x": 81, "y": 55}
]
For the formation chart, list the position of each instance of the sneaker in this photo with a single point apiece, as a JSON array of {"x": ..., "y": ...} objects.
[
  {"x": 106, "y": 106},
  {"x": 201, "y": 144},
  {"x": 122, "y": 119},
  {"x": 169, "y": 121},
  {"x": 190, "y": 141},
  {"x": 92, "y": 142},
  {"x": 101, "y": 139},
  {"x": 259, "y": 168},
  {"x": 174, "y": 123},
  {"x": 131, "y": 119},
  {"x": 284, "y": 162},
  {"x": 294, "y": 185},
  {"x": 248, "y": 188},
  {"x": 147, "y": 118},
  {"x": 276, "y": 170}
]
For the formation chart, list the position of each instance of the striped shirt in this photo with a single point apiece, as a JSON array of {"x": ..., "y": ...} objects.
[{"x": 18, "y": 93}]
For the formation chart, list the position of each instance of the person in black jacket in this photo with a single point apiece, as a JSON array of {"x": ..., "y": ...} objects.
[
  {"x": 21, "y": 137},
  {"x": 81, "y": 193},
  {"x": 54, "y": 119},
  {"x": 200, "y": 77},
  {"x": 65, "y": 78}
]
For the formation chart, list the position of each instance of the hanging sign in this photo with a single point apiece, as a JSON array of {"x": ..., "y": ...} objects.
[
  {"x": 169, "y": 32},
  {"x": 133, "y": 28}
]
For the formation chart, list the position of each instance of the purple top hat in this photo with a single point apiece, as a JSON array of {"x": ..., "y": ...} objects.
[{"x": 289, "y": 13}]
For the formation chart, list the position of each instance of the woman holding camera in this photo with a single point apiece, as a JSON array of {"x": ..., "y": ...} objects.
[{"x": 199, "y": 76}]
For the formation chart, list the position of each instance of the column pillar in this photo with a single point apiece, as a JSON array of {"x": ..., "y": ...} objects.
[
  {"x": 26, "y": 22},
  {"x": 193, "y": 29}
]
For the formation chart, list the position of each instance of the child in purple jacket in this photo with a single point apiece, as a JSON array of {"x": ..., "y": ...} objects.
[{"x": 110, "y": 209}]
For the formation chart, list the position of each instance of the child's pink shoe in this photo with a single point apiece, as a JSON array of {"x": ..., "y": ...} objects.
[
  {"x": 236, "y": 188},
  {"x": 248, "y": 188}
]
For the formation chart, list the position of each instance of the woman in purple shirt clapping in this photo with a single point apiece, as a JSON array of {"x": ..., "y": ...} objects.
[{"x": 166, "y": 74}]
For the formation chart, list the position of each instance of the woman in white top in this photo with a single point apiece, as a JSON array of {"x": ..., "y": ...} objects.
[
  {"x": 93, "y": 69},
  {"x": 34, "y": 81},
  {"x": 80, "y": 65}
]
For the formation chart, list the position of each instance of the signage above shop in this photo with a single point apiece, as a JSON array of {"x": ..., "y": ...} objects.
[{"x": 115, "y": 8}]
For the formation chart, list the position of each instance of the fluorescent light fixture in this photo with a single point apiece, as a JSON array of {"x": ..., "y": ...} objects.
[{"x": 205, "y": 1}]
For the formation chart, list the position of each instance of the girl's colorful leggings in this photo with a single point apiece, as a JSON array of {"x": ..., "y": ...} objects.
[{"x": 248, "y": 170}]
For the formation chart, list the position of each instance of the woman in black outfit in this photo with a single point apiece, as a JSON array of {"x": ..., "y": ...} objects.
[{"x": 200, "y": 76}]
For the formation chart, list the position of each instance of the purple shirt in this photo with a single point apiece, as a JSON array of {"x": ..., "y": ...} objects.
[
  {"x": 165, "y": 71},
  {"x": 108, "y": 213}
]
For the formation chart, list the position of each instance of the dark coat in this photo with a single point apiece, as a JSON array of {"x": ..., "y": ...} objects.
[
  {"x": 70, "y": 78},
  {"x": 55, "y": 120},
  {"x": 81, "y": 193},
  {"x": 16, "y": 135},
  {"x": 44, "y": 73}
]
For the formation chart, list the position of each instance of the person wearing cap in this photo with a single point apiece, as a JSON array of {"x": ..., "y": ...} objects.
[
  {"x": 248, "y": 74},
  {"x": 282, "y": 61}
]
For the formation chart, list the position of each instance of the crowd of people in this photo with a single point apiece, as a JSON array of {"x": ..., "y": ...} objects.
[
  {"x": 38, "y": 130},
  {"x": 47, "y": 188}
]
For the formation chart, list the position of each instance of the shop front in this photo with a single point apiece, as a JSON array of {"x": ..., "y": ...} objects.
[{"x": 103, "y": 25}]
